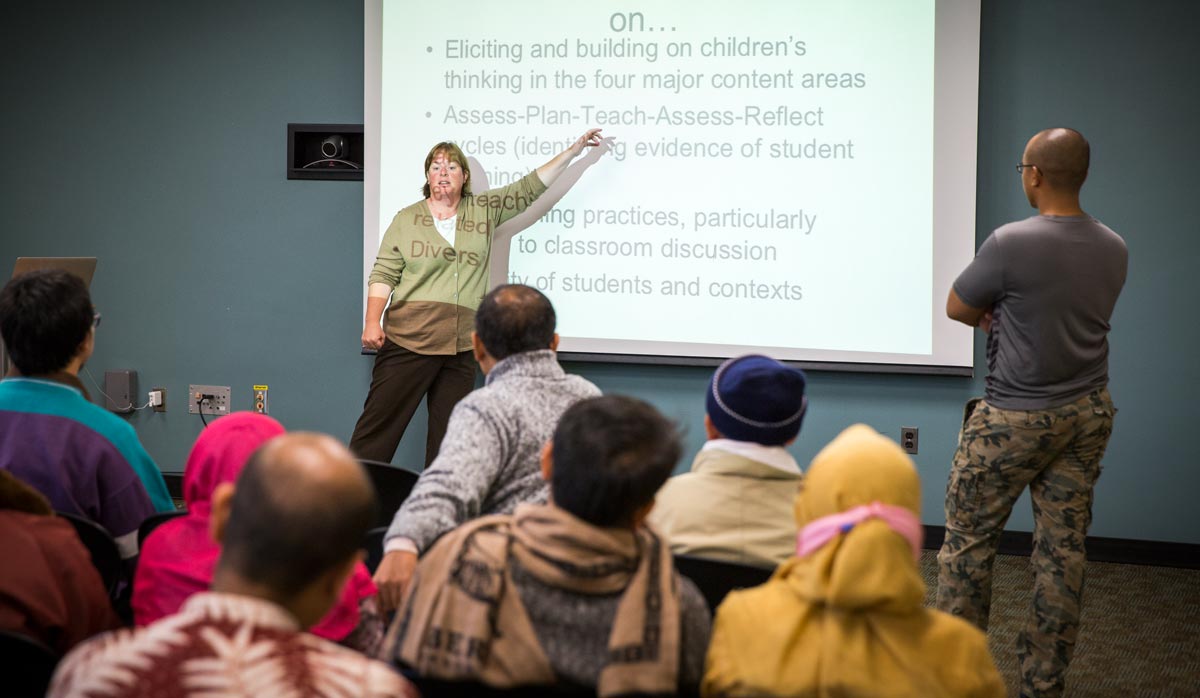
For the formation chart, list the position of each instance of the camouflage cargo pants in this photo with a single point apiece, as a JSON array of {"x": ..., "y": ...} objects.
[{"x": 1056, "y": 454}]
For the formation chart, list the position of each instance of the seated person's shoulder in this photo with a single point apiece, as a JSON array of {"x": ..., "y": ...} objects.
[
  {"x": 89, "y": 656},
  {"x": 582, "y": 385},
  {"x": 51, "y": 535},
  {"x": 482, "y": 405},
  {"x": 672, "y": 499},
  {"x": 962, "y": 649},
  {"x": 55, "y": 530},
  {"x": 457, "y": 537},
  {"x": 695, "y": 496},
  {"x": 690, "y": 598},
  {"x": 758, "y": 604},
  {"x": 116, "y": 427},
  {"x": 686, "y": 479},
  {"x": 104, "y": 423},
  {"x": 377, "y": 678}
]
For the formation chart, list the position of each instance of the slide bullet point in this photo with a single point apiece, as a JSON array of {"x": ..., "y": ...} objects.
[
  {"x": 428, "y": 114},
  {"x": 428, "y": 49}
]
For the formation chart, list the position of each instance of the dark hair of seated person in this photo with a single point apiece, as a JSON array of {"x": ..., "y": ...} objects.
[
  {"x": 45, "y": 316},
  {"x": 514, "y": 318},
  {"x": 284, "y": 531},
  {"x": 611, "y": 454}
]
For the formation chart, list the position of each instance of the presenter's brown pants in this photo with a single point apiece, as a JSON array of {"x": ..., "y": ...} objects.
[{"x": 399, "y": 381}]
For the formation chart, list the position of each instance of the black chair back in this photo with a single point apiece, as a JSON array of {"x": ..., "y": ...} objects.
[
  {"x": 103, "y": 549},
  {"x": 374, "y": 546},
  {"x": 154, "y": 521},
  {"x": 31, "y": 663},
  {"x": 715, "y": 578},
  {"x": 392, "y": 486}
]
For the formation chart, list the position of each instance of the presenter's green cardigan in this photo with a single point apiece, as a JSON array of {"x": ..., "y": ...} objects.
[{"x": 436, "y": 287}]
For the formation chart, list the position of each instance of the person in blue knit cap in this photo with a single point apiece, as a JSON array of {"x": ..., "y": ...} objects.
[{"x": 736, "y": 503}]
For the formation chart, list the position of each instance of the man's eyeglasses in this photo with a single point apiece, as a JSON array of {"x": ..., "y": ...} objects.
[
  {"x": 1021, "y": 167},
  {"x": 95, "y": 319}
]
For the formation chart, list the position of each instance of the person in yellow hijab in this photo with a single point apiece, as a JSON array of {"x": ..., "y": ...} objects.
[{"x": 844, "y": 617}]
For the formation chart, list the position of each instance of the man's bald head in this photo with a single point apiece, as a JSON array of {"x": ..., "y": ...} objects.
[
  {"x": 1062, "y": 156},
  {"x": 301, "y": 507},
  {"x": 514, "y": 318}
]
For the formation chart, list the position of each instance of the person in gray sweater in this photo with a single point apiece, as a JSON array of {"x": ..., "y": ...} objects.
[
  {"x": 489, "y": 460},
  {"x": 576, "y": 592}
]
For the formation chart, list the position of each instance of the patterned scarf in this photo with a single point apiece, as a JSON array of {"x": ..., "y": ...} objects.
[{"x": 463, "y": 617}]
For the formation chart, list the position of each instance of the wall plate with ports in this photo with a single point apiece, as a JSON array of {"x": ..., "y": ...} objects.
[
  {"x": 261, "y": 404},
  {"x": 217, "y": 405}
]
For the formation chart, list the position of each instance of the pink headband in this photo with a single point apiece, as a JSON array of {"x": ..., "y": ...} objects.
[{"x": 817, "y": 533}]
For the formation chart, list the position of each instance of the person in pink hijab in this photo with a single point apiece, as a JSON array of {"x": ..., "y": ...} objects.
[{"x": 178, "y": 558}]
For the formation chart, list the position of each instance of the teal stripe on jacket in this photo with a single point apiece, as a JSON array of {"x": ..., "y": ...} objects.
[{"x": 35, "y": 396}]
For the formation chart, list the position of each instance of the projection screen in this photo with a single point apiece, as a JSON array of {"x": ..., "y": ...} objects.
[{"x": 795, "y": 178}]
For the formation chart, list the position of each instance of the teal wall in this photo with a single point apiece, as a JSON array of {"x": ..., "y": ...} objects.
[{"x": 152, "y": 135}]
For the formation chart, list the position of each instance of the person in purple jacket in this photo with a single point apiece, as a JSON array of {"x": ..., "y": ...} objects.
[{"x": 85, "y": 460}]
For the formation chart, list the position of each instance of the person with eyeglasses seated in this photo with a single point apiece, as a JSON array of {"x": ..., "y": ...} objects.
[
  {"x": 845, "y": 615},
  {"x": 84, "y": 459},
  {"x": 1043, "y": 289}
]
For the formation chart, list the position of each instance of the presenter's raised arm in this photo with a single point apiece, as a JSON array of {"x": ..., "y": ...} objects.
[{"x": 558, "y": 164}]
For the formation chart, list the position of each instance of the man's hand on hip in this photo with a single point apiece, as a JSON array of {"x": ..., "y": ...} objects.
[{"x": 394, "y": 573}]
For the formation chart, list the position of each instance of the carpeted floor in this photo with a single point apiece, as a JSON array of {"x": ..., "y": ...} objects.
[{"x": 1140, "y": 633}]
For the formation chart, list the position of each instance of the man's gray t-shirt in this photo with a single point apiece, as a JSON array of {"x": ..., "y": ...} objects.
[{"x": 1053, "y": 282}]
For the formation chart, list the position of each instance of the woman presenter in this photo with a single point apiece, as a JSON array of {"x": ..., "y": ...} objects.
[{"x": 433, "y": 263}]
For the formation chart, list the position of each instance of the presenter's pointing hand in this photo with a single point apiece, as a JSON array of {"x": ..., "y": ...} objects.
[
  {"x": 392, "y": 577},
  {"x": 372, "y": 337},
  {"x": 591, "y": 138}
]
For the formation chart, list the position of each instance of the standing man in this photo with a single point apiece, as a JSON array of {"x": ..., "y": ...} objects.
[{"x": 1044, "y": 290}]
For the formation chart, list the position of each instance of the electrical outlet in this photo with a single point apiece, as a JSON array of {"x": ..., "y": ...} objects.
[
  {"x": 908, "y": 439},
  {"x": 261, "y": 404},
  {"x": 217, "y": 405},
  {"x": 158, "y": 399}
]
